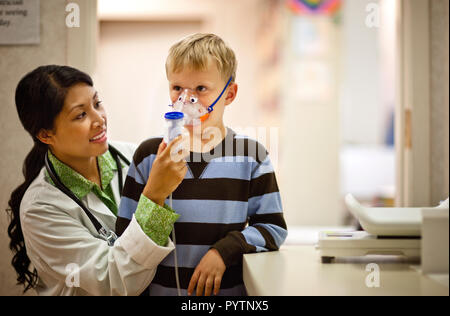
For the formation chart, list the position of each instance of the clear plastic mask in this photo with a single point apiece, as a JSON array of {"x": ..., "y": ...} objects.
[{"x": 194, "y": 111}]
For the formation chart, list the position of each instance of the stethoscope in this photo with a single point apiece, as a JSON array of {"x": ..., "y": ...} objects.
[{"x": 108, "y": 234}]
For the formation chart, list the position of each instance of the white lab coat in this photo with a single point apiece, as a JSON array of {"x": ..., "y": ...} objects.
[{"x": 71, "y": 258}]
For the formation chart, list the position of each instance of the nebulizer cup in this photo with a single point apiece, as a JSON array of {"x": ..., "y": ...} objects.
[{"x": 174, "y": 125}]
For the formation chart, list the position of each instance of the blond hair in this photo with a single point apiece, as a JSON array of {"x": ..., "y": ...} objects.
[{"x": 194, "y": 52}]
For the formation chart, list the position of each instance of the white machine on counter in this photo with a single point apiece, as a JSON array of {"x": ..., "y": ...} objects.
[{"x": 387, "y": 231}]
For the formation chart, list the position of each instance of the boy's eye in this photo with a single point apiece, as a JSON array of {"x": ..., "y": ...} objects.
[
  {"x": 201, "y": 88},
  {"x": 177, "y": 88}
]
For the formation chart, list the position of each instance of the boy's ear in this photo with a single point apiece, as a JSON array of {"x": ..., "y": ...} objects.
[
  {"x": 45, "y": 136},
  {"x": 231, "y": 94}
]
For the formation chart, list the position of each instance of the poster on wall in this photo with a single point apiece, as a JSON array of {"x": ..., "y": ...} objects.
[
  {"x": 314, "y": 7},
  {"x": 19, "y": 22}
]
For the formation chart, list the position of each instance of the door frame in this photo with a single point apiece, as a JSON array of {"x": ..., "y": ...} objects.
[{"x": 413, "y": 104}]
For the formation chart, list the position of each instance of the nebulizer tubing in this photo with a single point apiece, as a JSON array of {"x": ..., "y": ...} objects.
[
  {"x": 177, "y": 276},
  {"x": 211, "y": 107}
]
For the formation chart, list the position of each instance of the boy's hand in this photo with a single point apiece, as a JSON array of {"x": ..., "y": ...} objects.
[
  {"x": 166, "y": 173},
  {"x": 207, "y": 274}
]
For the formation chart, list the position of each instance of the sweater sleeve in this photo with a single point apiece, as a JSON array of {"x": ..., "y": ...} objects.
[
  {"x": 156, "y": 221},
  {"x": 266, "y": 230}
]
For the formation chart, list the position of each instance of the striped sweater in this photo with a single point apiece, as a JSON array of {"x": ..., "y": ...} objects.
[{"x": 229, "y": 200}]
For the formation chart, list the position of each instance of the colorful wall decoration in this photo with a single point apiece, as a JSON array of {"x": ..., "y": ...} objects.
[{"x": 314, "y": 7}]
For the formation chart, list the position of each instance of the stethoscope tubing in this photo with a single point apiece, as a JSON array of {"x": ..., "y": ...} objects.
[{"x": 107, "y": 233}]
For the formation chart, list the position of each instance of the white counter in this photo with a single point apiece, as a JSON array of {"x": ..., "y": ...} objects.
[{"x": 298, "y": 271}]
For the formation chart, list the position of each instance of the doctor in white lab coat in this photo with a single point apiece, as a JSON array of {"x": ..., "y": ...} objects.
[{"x": 57, "y": 249}]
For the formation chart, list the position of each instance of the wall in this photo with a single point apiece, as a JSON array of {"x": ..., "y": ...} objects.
[
  {"x": 310, "y": 128},
  {"x": 362, "y": 117},
  {"x": 367, "y": 100},
  {"x": 15, "y": 62}
]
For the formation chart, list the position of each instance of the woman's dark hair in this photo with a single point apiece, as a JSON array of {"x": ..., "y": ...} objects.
[{"x": 40, "y": 98}]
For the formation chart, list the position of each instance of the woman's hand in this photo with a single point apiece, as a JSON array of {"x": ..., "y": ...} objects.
[
  {"x": 168, "y": 170},
  {"x": 208, "y": 274}
]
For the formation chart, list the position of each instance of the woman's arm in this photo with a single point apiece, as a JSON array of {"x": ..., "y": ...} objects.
[
  {"x": 153, "y": 175},
  {"x": 57, "y": 242}
]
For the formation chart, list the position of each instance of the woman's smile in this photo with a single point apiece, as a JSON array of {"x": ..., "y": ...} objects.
[{"x": 99, "y": 138}]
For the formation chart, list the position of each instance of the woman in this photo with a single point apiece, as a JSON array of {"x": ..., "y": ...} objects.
[{"x": 58, "y": 232}]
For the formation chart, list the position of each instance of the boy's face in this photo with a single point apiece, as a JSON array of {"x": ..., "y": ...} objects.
[{"x": 206, "y": 85}]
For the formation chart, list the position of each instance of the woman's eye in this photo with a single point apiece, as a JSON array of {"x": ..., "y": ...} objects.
[
  {"x": 98, "y": 104},
  {"x": 80, "y": 116}
]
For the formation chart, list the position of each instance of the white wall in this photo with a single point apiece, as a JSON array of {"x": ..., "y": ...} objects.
[
  {"x": 368, "y": 99},
  {"x": 309, "y": 165},
  {"x": 360, "y": 101}
]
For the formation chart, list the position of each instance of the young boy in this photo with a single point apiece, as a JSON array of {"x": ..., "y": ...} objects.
[{"x": 229, "y": 203}]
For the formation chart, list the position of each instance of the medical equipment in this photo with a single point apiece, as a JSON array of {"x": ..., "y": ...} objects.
[
  {"x": 109, "y": 235},
  {"x": 174, "y": 127},
  {"x": 189, "y": 104},
  {"x": 387, "y": 231},
  {"x": 177, "y": 276},
  {"x": 194, "y": 111}
]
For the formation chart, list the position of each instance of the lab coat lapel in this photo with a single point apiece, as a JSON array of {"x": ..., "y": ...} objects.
[{"x": 100, "y": 211}]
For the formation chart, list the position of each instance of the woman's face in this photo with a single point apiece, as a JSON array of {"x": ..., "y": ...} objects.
[{"x": 80, "y": 128}]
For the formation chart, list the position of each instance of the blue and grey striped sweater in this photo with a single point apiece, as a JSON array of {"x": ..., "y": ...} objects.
[{"x": 228, "y": 200}]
